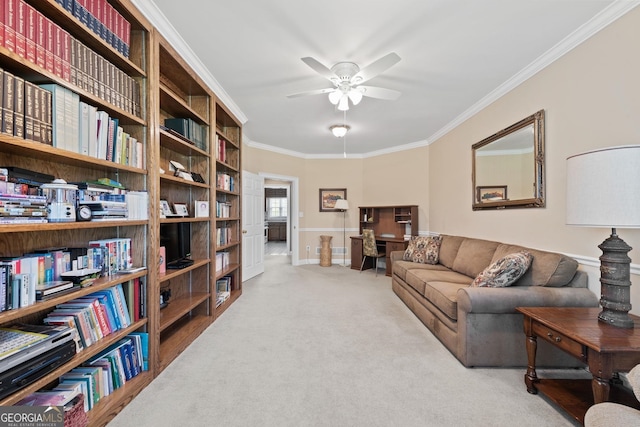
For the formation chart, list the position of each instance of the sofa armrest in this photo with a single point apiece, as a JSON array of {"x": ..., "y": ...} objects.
[
  {"x": 505, "y": 300},
  {"x": 396, "y": 256}
]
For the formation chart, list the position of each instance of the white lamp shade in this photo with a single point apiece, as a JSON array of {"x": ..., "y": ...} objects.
[
  {"x": 334, "y": 97},
  {"x": 339, "y": 130},
  {"x": 342, "y": 205},
  {"x": 355, "y": 96},
  {"x": 343, "y": 105},
  {"x": 603, "y": 188}
]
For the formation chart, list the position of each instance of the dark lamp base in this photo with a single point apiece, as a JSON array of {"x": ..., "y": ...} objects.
[{"x": 615, "y": 282}]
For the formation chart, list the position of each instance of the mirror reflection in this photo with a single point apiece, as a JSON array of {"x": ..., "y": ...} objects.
[{"x": 508, "y": 166}]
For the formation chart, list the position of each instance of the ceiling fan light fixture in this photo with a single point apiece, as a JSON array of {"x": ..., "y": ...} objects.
[
  {"x": 339, "y": 131},
  {"x": 334, "y": 97},
  {"x": 343, "y": 105},
  {"x": 355, "y": 96}
]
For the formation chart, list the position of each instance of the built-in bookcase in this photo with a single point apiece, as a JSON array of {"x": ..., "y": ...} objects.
[
  {"x": 88, "y": 83},
  {"x": 163, "y": 87},
  {"x": 186, "y": 99},
  {"x": 228, "y": 224}
]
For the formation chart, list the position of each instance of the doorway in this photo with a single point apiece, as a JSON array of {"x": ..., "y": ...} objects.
[{"x": 281, "y": 216}]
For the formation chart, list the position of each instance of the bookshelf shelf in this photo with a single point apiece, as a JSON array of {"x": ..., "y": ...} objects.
[
  {"x": 175, "y": 106},
  {"x": 227, "y": 271},
  {"x": 100, "y": 284},
  {"x": 39, "y": 151},
  {"x": 171, "y": 274},
  {"x": 50, "y": 226},
  {"x": 179, "y": 181},
  {"x": 177, "y": 338},
  {"x": 80, "y": 357},
  {"x": 178, "y": 307},
  {"x": 176, "y": 144}
]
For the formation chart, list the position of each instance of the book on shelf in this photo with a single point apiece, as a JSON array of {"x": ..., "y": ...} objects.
[
  {"x": 50, "y": 398},
  {"x": 52, "y": 288}
]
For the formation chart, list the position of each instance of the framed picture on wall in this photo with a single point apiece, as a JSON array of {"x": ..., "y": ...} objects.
[
  {"x": 329, "y": 196},
  {"x": 491, "y": 193}
]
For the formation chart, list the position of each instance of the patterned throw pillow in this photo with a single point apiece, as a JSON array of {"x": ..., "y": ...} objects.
[
  {"x": 505, "y": 271},
  {"x": 423, "y": 249}
]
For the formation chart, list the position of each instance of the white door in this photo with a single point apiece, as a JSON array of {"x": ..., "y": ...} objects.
[{"x": 252, "y": 225}]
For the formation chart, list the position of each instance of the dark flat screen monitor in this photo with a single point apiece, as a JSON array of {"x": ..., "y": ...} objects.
[{"x": 176, "y": 238}]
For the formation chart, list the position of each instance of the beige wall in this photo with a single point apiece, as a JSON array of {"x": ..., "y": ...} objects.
[{"x": 591, "y": 98}]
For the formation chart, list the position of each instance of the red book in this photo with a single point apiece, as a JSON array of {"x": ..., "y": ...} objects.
[
  {"x": 31, "y": 30},
  {"x": 10, "y": 25},
  {"x": 2, "y": 21},
  {"x": 40, "y": 39},
  {"x": 48, "y": 47},
  {"x": 66, "y": 56},
  {"x": 21, "y": 25},
  {"x": 57, "y": 50}
]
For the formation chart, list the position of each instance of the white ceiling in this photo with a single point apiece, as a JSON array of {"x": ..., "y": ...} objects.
[{"x": 457, "y": 55}]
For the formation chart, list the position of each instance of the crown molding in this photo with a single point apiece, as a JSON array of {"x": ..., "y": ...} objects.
[
  {"x": 168, "y": 31},
  {"x": 608, "y": 15}
]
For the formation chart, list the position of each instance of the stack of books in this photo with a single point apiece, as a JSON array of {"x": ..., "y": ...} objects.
[{"x": 22, "y": 208}]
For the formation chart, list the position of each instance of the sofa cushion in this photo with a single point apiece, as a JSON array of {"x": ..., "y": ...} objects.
[
  {"x": 474, "y": 255},
  {"x": 423, "y": 249},
  {"x": 448, "y": 249},
  {"x": 505, "y": 271},
  {"x": 440, "y": 287},
  {"x": 547, "y": 268},
  {"x": 400, "y": 268}
]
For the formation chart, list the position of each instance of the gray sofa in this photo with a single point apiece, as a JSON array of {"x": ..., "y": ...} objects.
[{"x": 480, "y": 325}]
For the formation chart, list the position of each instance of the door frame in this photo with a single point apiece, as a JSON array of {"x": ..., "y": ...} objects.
[{"x": 293, "y": 219}]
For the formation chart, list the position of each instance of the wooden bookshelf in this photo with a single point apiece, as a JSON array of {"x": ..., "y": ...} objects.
[
  {"x": 17, "y": 239},
  {"x": 169, "y": 88},
  {"x": 181, "y": 94},
  {"x": 226, "y": 151}
]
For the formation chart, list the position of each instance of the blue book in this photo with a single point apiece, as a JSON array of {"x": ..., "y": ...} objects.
[{"x": 144, "y": 348}]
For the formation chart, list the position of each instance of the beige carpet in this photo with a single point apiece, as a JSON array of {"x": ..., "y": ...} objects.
[{"x": 329, "y": 346}]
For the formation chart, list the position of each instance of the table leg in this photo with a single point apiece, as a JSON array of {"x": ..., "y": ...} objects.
[
  {"x": 600, "y": 388},
  {"x": 531, "y": 377}
]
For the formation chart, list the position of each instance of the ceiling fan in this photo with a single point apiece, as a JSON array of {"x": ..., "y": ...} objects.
[{"x": 347, "y": 79}]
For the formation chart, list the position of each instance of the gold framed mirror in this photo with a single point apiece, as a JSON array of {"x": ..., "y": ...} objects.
[{"x": 508, "y": 167}]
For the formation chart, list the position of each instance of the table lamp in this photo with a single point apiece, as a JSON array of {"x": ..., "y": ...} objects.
[
  {"x": 603, "y": 190},
  {"x": 343, "y": 205}
]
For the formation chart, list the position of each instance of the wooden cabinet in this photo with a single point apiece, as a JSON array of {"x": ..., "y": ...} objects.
[
  {"x": 124, "y": 99},
  {"x": 392, "y": 221},
  {"x": 140, "y": 91},
  {"x": 277, "y": 231}
]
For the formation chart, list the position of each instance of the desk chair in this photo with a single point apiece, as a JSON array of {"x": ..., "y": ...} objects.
[{"x": 370, "y": 248}]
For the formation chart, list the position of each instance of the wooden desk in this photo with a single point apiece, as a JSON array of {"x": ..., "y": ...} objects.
[
  {"x": 606, "y": 349},
  {"x": 390, "y": 244}
]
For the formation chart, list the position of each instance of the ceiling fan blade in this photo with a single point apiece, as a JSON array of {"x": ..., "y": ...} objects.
[
  {"x": 319, "y": 68},
  {"x": 312, "y": 92},
  {"x": 379, "y": 92},
  {"x": 375, "y": 68}
]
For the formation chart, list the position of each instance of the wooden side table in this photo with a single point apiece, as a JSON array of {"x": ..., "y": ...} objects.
[{"x": 605, "y": 349}]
